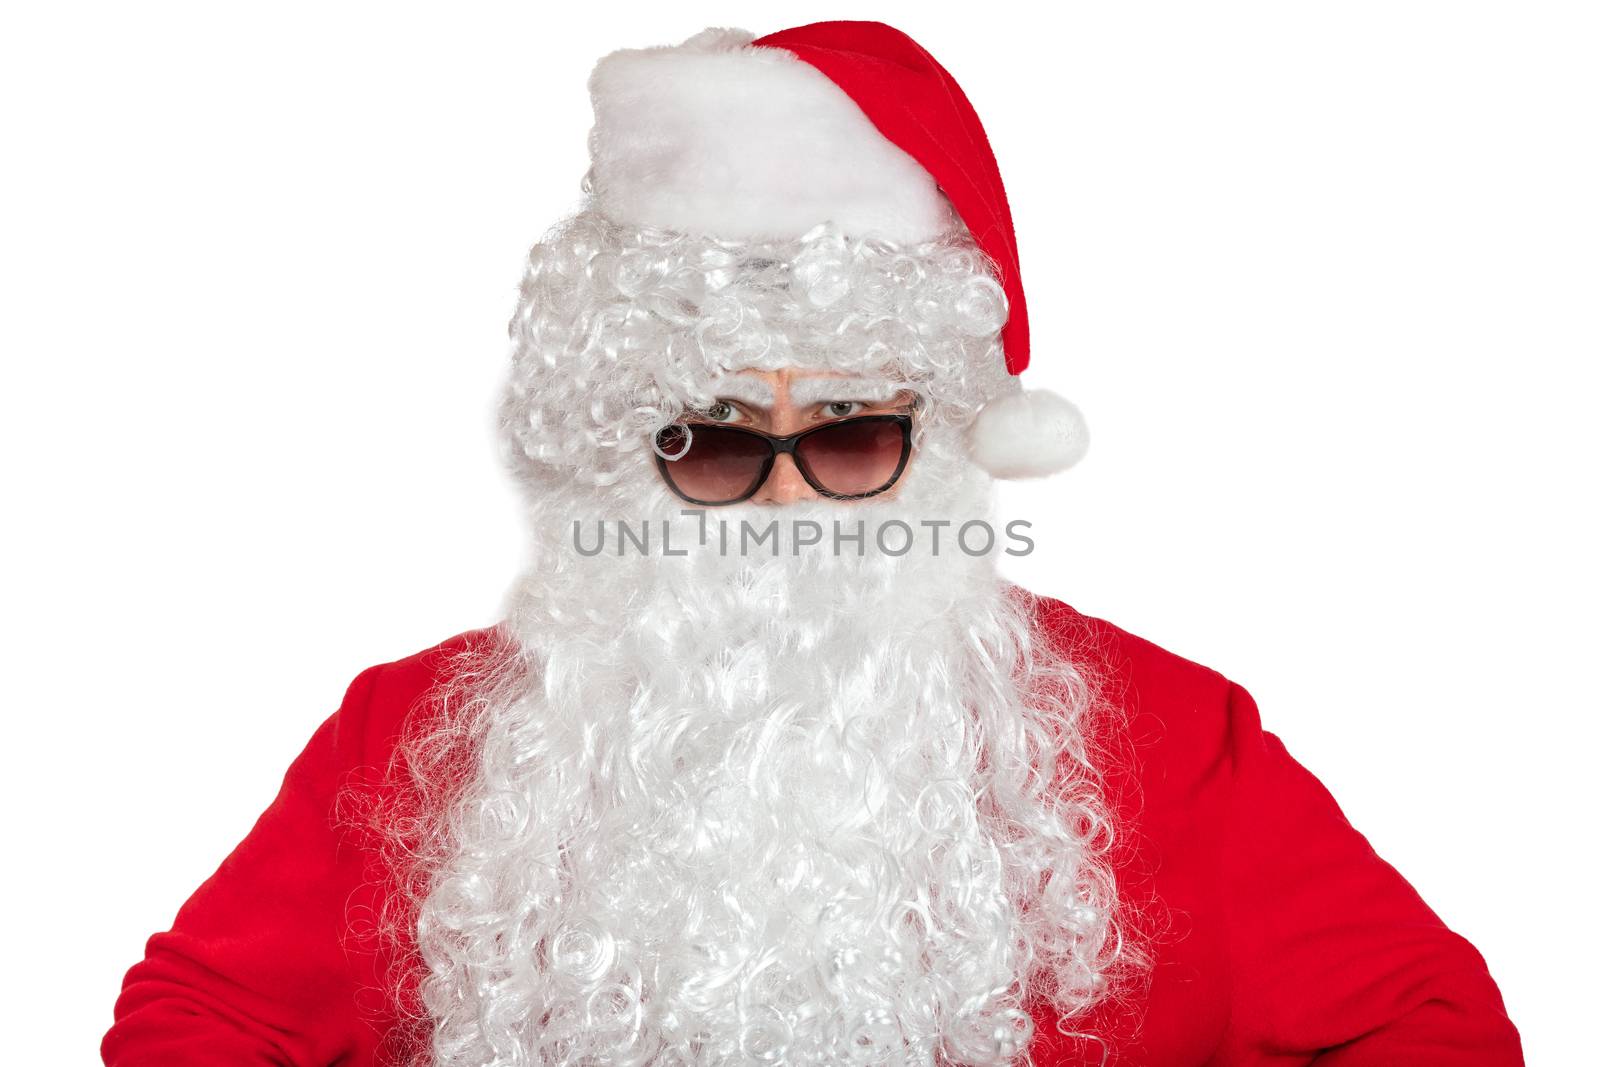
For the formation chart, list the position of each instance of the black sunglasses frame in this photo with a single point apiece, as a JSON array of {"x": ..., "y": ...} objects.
[{"x": 777, "y": 446}]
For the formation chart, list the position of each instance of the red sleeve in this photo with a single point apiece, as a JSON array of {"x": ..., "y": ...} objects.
[
  {"x": 253, "y": 970},
  {"x": 1334, "y": 953}
]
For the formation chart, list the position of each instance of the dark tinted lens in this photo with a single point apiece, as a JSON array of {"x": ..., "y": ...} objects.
[
  {"x": 720, "y": 465},
  {"x": 856, "y": 456}
]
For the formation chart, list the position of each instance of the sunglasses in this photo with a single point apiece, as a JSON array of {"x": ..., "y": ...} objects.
[{"x": 711, "y": 464}]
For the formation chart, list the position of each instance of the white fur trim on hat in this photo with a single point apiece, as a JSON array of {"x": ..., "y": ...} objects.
[
  {"x": 1028, "y": 434},
  {"x": 719, "y": 138}
]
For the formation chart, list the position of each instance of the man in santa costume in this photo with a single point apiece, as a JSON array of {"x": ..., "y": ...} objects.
[{"x": 765, "y": 762}]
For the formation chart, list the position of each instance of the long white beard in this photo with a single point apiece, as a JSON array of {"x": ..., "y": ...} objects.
[{"x": 807, "y": 808}]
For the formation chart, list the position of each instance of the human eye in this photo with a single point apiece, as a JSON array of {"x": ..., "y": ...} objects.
[
  {"x": 721, "y": 411},
  {"x": 838, "y": 409}
]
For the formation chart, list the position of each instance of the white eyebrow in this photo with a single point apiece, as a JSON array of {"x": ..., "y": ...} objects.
[
  {"x": 807, "y": 391},
  {"x": 745, "y": 387}
]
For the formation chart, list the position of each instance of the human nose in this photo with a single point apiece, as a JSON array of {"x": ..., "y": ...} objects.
[{"x": 785, "y": 485}]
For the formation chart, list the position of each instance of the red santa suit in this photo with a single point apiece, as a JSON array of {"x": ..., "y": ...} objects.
[{"x": 1287, "y": 939}]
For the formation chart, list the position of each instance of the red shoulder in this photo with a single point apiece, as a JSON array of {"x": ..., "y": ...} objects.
[
  {"x": 382, "y": 698},
  {"x": 1149, "y": 671},
  {"x": 1172, "y": 713}
]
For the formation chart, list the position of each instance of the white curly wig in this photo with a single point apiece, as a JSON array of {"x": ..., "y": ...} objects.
[{"x": 620, "y": 329}]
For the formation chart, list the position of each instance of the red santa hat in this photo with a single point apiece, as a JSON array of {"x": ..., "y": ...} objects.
[{"x": 743, "y": 138}]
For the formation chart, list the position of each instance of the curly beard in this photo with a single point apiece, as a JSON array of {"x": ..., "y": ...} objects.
[{"x": 801, "y": 807}]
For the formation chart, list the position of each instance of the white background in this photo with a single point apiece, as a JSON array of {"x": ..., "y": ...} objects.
[{"x": 1322, "y": 277}]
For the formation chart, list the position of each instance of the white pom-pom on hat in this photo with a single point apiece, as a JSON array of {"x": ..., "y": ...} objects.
[{"x": 1028, "y": 434}]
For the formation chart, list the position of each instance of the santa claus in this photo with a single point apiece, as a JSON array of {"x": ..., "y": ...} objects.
[{"x": 766, "y": 763}]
